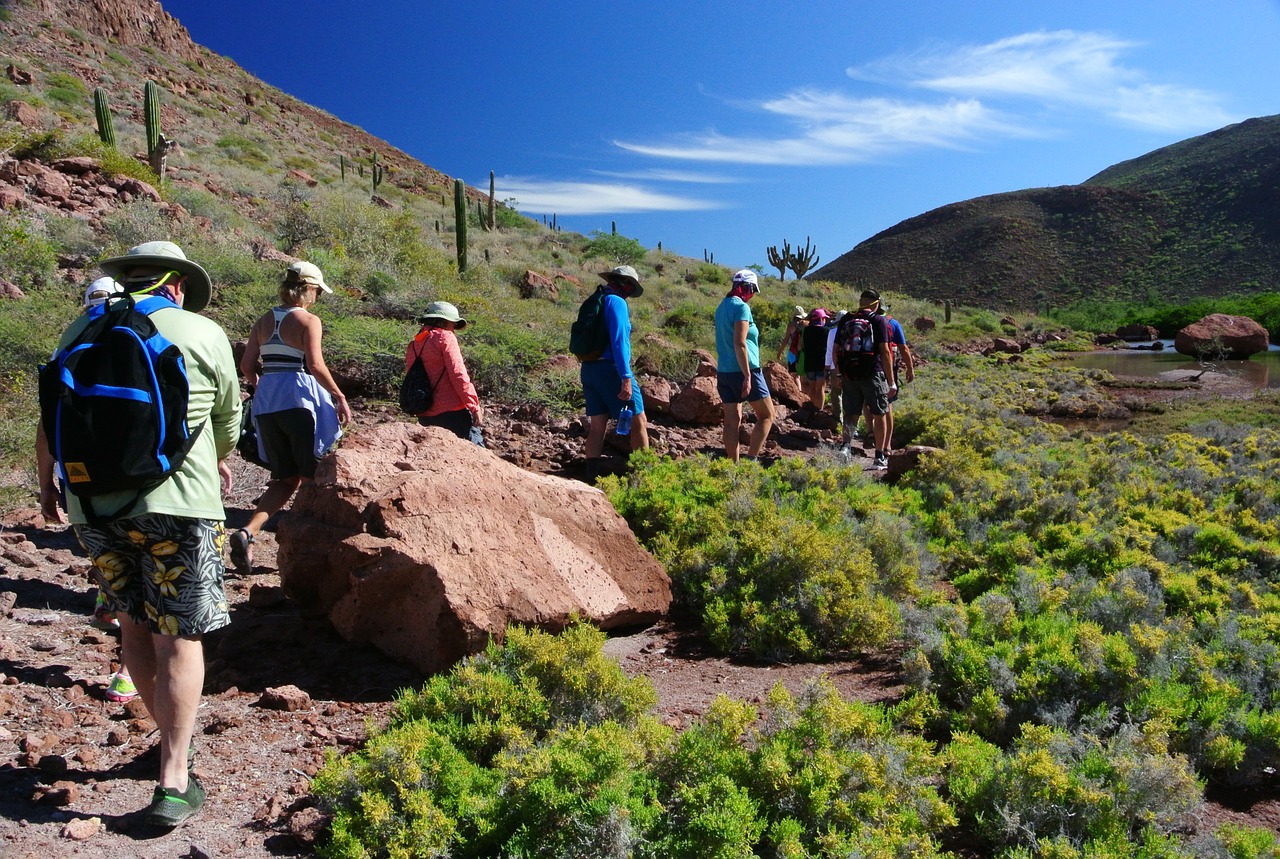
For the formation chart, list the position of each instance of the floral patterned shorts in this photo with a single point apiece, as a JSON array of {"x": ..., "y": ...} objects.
[{"x": 162, "y": 570}]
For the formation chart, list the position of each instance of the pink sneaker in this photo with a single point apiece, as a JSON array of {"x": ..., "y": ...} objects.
[{"x": 121, "y": 688}]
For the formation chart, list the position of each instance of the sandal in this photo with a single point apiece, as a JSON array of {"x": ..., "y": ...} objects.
[{"x": 242, "y": 551}]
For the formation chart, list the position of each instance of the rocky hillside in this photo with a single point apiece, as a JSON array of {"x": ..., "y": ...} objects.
[{"x": 1198, "y": 218}]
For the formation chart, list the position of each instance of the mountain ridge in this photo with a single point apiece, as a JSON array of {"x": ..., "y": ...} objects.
[{"x": 1196, "y": 218}]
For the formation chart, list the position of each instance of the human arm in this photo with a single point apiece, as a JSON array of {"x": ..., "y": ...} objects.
[
  {"x": 786, "y": 340},
  {"x": 312, "y": 333},
  {"x": 456, "y": 371},
  {"x": 617, "y": 319},
  {"x": 908, "y": 363},
  {"x": 881, "y": 332},
  {"x": 48, "y": 485},
  {"x": 740, "y": 352},
  {"x": 249, "y": 360}
]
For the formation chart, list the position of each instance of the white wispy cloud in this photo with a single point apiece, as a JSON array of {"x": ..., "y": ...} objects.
[
  {"x": 591, "y": 198},
  {"x": 682, "y": 176},
  {"x": 834, "y": 128},
  {"x": 1003, "y": 89},
  {"x": 1063, "y": 67}
]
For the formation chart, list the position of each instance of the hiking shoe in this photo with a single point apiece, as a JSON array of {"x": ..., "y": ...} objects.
[
  {"x": 242, "y": 551},
  {"x": 121, "y": 688},
  {"x": 880, "y": 463},
  {"x": 170, "y": 806},
  {"x": 103, "y": 617}
]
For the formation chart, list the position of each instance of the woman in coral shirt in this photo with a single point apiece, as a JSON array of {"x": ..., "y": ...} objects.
[{"x": 455, "y": 405}]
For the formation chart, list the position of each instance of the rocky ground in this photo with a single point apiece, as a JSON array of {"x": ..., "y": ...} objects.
[{"x": 75, "y": 770}]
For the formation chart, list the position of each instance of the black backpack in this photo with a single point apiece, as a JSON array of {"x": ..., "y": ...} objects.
[
  {"x": 855, "y": 345},
  {"x": 589, "y": 336},
  {"x": 113, "y": 404},
  {"x": 416, "y": 391}
]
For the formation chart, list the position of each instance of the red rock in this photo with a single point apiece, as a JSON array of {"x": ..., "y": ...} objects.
[
  {"x": 138, "y": 188},
  {"x": 924, "y": 324},
  {"x": 1137, "y": 333},
  {"x": 9, "y": 290},
  {"x": 784, "y": 386},
  {"x": 656, "y": 392},
  {"x": 430, "y": 564},
  {"x": 698, "y": 402},
  {"x": 287, "y": 698},
  {"x": 534, "y": 285},
  {"x": 307, "y": 825},
  {"x": 82, "y": 828},
  {"x": 77, "y": 166},
  {"x": 53, "y": 185},
  {"x": 303, "y": 177},
  {"x": 1220, "y": 335},
  {"x": 22, "y": 113}
]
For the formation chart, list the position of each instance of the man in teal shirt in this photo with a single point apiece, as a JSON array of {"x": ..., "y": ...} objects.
[
  {"x": 159, "y": 561},
  {"x": 738, "y": 374}
]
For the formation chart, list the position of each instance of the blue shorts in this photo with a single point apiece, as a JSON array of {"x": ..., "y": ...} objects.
[
  {"x": 729, "y": 385},
  {"x": 600, "y": 386}
]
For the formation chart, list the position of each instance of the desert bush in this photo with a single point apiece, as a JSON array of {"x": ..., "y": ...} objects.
[
  {"x": 797, "y": 561},
  {"x": 28, "y": 258},
  {"x": 65, "y": 89},
  {"x": 542, "y": 747},
  {"x": 1077, "y": 790},
  {"x": 614, "y": 247}
]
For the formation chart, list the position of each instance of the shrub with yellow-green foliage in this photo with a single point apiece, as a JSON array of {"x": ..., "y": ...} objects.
[
  {"x": 542, "y": 747},
  {"x": 795, "y": 561}
]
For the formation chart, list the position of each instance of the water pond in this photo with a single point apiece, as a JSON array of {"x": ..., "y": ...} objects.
[{"x": 1261, "y": 371}]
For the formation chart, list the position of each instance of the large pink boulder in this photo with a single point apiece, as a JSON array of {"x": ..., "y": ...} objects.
[
  {"x": 427, "y": 546},
  {"x": 1220, "y": 335},
  {"x": 698, "y": 402}
]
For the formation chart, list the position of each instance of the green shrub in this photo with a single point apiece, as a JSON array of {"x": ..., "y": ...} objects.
[
  {"x": 794, "y": 562},
  {"x": 27, "y": 257},
  {"x": 243, "y": 150},
  {"x": 66, "y": 89},
  {"x": 615, "y": 247}
]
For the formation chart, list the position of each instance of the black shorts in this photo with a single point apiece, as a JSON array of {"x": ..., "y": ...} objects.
[{"x": 289, "y": 439}]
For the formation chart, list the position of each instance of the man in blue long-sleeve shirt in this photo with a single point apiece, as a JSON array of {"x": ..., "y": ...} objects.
[{"x": 608, "y": 382}]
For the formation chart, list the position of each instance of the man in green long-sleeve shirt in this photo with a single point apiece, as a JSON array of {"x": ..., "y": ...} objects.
[{"x": 158, "y": 556}]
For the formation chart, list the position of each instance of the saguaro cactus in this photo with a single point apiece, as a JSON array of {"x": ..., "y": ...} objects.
[
  {"x": 493, "y": 217},
  {"x": 460, "y": 217},
  {"x": 803, "y": 261},
  {"x": 157, "y": 145},
  {"x": 102, "y": 112},
  {"x": 780, "y": 260},
  {"x": 377, "y": 173}
]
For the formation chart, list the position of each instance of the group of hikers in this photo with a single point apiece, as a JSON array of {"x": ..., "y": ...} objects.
[
  {"x": 863, "y": 354},
  {"x": 141, "y": 406}
]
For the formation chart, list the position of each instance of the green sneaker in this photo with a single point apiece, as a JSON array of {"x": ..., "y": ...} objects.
[
  {"x": 121, "y": 688},
  {"x": 170, "y": 806}
]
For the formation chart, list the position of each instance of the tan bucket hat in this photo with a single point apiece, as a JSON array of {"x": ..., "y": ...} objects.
[{"x": 198, "y": 289}]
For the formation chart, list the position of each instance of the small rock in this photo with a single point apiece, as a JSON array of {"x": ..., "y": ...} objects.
[
  {"x": 82, "y": 829},
  {"x": 288, "y": 698},
  {"x": 118, "y": 736},
  {"x": 307, "y": 825}
]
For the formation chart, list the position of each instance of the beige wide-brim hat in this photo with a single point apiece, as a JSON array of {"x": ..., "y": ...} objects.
[
  {"x": 627, "y": 273},
  {"x": 198, "y": 289},
  {"x": 443, "y": 310}
]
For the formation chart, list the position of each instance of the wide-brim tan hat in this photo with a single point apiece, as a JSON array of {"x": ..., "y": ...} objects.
[
  {"x": 627, "y": 273},
  {"x": 443, "y": 310},
  {"x": 198, "y": 289}
]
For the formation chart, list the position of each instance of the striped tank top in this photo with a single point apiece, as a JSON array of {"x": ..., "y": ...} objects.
[{"x": 278, "y": 356}]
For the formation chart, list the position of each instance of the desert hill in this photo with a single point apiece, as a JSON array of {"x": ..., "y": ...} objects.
[{"x": 1197, "y": 218}]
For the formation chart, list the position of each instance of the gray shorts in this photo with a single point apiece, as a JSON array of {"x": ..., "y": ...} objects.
[
  {"x": 873, "y": 391},
  {"x": 164, "y": 571}
]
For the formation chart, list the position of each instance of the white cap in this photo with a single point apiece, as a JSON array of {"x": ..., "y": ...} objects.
[
  {"x": 100, "y": 290},
  {"x": 748, "y": 277},
  {"x": 308, "y": 272}
]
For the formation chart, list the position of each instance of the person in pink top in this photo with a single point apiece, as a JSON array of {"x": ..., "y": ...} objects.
[{"x": 455, "y": 405}]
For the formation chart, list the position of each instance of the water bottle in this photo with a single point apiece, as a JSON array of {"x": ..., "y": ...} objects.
[{"x": 624, "y": 421}]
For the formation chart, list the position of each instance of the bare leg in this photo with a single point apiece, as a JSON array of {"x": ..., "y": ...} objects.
[
  {"x": 277, "y": 495},
  {"x": 640, "y": 432},
  {"x": 764, "y": 422},
  {"x": 880, "y": 431},
  {"x": 732, "y": 426},
  {"x": 595, "y": 435},
  {"x": 169, "y": 673}
]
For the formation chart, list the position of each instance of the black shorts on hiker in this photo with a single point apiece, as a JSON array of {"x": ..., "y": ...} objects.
[
  {"x": 289, "y": 440},
  {"x": 457, "y": 422}
]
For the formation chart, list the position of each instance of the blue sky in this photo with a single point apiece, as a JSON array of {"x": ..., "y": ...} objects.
[{"x": 731, "y": 126}]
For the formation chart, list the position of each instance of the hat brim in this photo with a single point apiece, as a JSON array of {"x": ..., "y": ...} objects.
[
  {"x": 636, "y": 289},
  {"x": 460, "y": 322},
  {"x": 197, "y": 291}
]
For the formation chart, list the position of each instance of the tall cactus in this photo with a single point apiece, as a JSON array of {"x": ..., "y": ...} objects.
[
  {"x": 102, "y": 112},
  {"x": 803, "y": 261},
  {"x": 780, "y": 261},
  {"x": 377, "y": 173},
  {"x": 493, "y": 215},
  {"x": 342, "y": 166},
  {"x": 460, "y": 218},
  {"x": 157, "y": 145}
]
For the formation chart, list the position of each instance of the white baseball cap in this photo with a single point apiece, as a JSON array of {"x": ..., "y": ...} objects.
[{"x": 100, "y": 290}]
